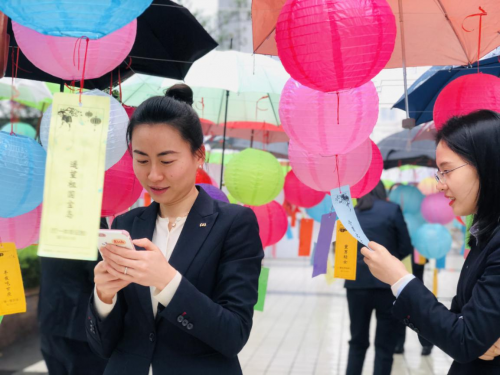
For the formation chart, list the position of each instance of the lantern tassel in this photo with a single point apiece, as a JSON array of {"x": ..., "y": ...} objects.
[{"x": 480, "y": 15}]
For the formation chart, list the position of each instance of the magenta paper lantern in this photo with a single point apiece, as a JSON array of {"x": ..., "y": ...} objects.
[
  {"x": 372, "y": 177},
  {"x": 121, "y": 188},
  {"x": 23, "y": 230},
  {"x": 331, "y": 45},
  {"x": 299, "y": 194},
  {"x": 321, "y": 172},
  {"x": 328, "y": 123},
  {"x": 467, "y": 94},
  {"x": 214, "y": 192},
  {"x": 273, "y": 222},
  {"x": 64, "y": 57},
  {"x": 436, "y": 209}
]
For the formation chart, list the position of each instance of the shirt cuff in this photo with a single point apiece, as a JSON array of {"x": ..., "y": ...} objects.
[
  {"x": 398, "y": 287},
  {"x": 103, "y": 309},
  {"x": 165, "y": 296}
]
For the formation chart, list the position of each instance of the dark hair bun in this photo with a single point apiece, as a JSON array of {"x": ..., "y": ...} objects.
[{"x": 181, "y": 92}]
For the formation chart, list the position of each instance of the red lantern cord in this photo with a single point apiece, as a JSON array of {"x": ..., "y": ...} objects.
[
  {"x": 78, "y": 44},
  {"x": 480, "y": 15},
  {"x": 338, "y": 173}
]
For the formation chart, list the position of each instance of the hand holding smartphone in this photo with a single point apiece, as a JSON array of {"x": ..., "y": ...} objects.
[{"x": 116, "y": 237}]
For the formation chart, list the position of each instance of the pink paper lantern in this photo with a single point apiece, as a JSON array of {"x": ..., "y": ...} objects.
[
  {"x": 299, "y": 194},
  {"x": 273, "y": 222},
  {"x": 321, "y": 172},
  {"x": 64, "y": 57},
  {"x": 328, "y": 123},
  {"x": 130, "y": 110},
  {"x": 372, "y": 177},
  {"x": 331, "y": 45},
  {"x": 23, "y": 230},
  {"x": 467, "y": 94},
  {"x": 436, "y": 209},
  {"x": 202, "y": 177},
  {"x": 121, "y": 188},
  {"x": 428, "y": 186}
]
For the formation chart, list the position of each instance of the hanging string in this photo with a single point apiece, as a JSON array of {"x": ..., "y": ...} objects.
[
  {"x": 338, "y": 108},
  {"x": 82, "y": 82},
  {"x": 120, "y": 85},
  {"x": 14, "y": 91},
  {"x": 111, "y": 83},
  {"x": 338, "y": 173},
  {"x": 480, "y": 15}
]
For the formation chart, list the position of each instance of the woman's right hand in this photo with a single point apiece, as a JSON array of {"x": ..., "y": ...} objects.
[
  {"x": 106, "y": 284},
  {"x": 492, "y": 352}
]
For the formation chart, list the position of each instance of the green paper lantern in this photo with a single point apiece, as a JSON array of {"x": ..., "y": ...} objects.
[
  {"x": 21, "y": 128},
  {"x": 254, "y": 177}
]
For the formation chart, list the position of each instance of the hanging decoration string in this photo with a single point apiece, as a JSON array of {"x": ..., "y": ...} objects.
[
  {"x": 338, "y": 172},
  {"x": 480, "y": 15},
  {"x": 14, "y": 91},
  {"x": 78, "y": 44}
]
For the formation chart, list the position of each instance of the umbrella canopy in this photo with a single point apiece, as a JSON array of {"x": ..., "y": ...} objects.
[
  {"x": 441, "y": 32},
  {"x": 424, "y": 92},
  {"x": 31, "y": 93},
  {"x": 169, "y": 39},
  {"x": 398, "y": 149}
]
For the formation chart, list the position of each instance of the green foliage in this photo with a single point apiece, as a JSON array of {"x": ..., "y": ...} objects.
[{"x": 30, "y": 266}]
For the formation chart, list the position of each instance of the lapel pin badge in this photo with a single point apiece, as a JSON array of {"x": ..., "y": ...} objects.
[{"x": 203, "y": 224}]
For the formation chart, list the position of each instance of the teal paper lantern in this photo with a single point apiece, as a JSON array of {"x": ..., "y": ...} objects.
[
  {"x": 254, "y": 177},
  {"x": 324, "y": 207},
  {"x": 433, "y": 241},
  {"x": 409, "y": 198},
  {"x": 76, "y": 18},
  {"x": 20, "y": 128},
  {"x": 22, "y": 167},
  {"x": 413, "y": 223}
]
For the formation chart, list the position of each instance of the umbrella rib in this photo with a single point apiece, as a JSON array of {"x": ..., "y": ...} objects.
[
  {"x": 278, "y": 123},
  {"x": 454, "y": 30},
  {"x": 165, "y": 60},
  {"x": 264, "y": 40}
]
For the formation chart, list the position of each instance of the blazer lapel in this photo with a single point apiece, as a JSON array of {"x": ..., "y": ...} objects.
[
  {"x": 197, "y": 227},
  {"x": 144, "y": 227}
]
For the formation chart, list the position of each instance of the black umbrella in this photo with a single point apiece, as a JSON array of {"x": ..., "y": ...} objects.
[
  {"x": 169, "y": 39},
  {"x": 398, "y": 150}
]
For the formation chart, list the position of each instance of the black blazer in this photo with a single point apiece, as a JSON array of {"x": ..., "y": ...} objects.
[
  {"x": 65, "y": 288},
  {"x": 472, "y": 325},
  {"x": 209, "y": 319},
  {"x": 383, "y": 223}
]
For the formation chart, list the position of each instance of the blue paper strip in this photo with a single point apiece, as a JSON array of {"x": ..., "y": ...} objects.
[
  {"x": 289, "y": 233},
  {"x": 324, "y": 244},
  {"x": 341, "y": 200}
]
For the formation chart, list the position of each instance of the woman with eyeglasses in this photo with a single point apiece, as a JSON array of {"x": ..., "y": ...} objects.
[{"x": 468, "y": 158}]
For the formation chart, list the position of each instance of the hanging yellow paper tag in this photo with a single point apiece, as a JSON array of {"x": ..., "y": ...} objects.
[
  {"x": 74, "y": 177},
  {"x": 407, "y": 262},
  {"x": 346, "y": 254},
  {"x": 12, "y": 299},
  {"x": 329, "y": 275}
]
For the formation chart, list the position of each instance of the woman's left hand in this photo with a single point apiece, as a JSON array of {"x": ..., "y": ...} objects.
[
  {"x": 147, "y": 268},
  {"x": 383, "y": 265}
]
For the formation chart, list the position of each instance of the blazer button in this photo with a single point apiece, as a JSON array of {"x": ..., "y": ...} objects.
[
  {"x": 185, "y": 322},
  {"x": 152, "y": 337},
  {"x": 411, "y": 326},
  {"x": 189, "y": 326},
  {"x": 180, "y": 318}
]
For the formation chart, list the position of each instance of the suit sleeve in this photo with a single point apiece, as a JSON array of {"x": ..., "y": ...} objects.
[
  {"x": 464, "y": 336},
  {"x": 103, "y": 335},
  {"x": 405, "y": 247},
  {"x": 224, "y": 321}
]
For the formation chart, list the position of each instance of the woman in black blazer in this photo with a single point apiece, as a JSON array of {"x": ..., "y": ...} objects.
[
  {"x": 468, "y": 159},
  {"x": 184, "y": 304}
]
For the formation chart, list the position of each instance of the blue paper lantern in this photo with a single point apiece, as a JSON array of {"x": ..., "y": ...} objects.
[
  {"x": 22, "y": 167},
  {"x": 413, "y": 223},
  {"x": 324, "y": 207},
  {"x": 408, "y": 197},
  {"x": 433, "y": 241},
  {"x": 76, "y": 18},
  {"x": 20, "y": 128}
]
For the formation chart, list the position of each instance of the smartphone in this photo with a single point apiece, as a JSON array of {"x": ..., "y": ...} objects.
[{"x": 116, "y": 237}]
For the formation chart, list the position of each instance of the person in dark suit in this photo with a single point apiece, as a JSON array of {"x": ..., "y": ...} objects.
[
  {"x": 383, "y": 221},
  {"x": 183, "y": 303},
  {"x": 65, "y": 288},
  {"x": 469, "y": 175}
]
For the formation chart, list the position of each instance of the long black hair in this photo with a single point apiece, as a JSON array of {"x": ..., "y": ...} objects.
[
  {"x": 366, "y": 201},
  {"x": 169, "y": 112},
  {"x": 475, "y": 137}
]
